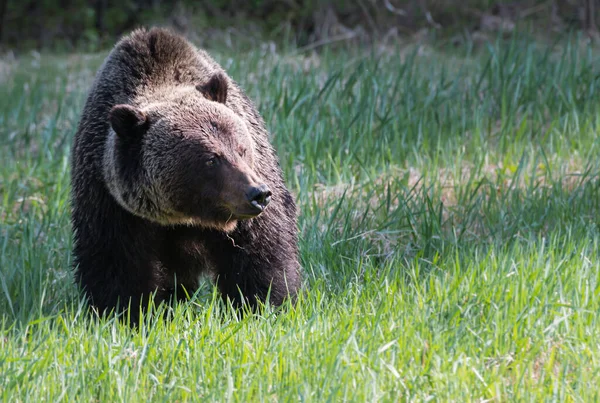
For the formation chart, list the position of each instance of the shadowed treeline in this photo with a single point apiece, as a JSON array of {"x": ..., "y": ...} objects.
[{"x": 68, "y": 24}]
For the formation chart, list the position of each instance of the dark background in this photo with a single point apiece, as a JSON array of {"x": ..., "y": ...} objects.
[{"x": 88, "y": 25}]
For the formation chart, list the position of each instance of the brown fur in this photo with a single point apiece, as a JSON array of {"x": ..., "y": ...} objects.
[{"x": 166, "y": 150}]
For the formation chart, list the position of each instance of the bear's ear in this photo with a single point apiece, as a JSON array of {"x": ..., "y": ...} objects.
[
  {"x": 215, "y": 89},
  {"x": 128, "y": 121}
]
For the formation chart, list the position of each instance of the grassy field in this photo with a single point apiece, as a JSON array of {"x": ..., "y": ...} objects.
[{"x": 449, "y": 235}]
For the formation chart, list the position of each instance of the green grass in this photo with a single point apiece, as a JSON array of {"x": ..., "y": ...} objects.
[{"x": 449, "y": 204}]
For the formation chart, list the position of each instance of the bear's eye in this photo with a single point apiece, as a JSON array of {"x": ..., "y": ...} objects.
[
  {"x": 242, "y": 152},
  {"x": 212, "y": 161}
]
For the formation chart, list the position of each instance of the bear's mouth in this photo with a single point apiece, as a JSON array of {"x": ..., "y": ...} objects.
[{"x": 250, "y": 210}]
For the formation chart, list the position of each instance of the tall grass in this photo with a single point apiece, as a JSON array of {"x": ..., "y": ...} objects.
[{"x": 449, "y": 235}]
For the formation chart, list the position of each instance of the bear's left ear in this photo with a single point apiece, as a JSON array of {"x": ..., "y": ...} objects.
[
  {"x": 128, "y": 121},
  {"x": 215, "y": 89}
]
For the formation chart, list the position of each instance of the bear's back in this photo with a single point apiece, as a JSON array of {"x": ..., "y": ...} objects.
[{"x": 146, "y": 59}]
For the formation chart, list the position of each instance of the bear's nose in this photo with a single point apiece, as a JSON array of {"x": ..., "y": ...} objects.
[{"x": 259, "y": 196}]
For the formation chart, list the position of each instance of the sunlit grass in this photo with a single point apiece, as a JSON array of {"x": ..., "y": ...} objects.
[{"x": 449, "y": 236}]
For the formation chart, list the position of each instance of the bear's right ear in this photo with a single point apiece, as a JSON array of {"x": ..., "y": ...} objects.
[
  {"x": 128, "y": 121},
  {"x": 215, "y": 89}
]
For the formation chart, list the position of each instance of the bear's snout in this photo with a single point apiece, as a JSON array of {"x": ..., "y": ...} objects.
[{"x": 259, "y": 197}]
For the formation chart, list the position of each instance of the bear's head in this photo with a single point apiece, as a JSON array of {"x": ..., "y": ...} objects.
[{"x": 187, "y": 159}]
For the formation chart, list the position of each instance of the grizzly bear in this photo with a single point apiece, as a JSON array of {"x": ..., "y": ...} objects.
[{"x": 173, "y": 176}]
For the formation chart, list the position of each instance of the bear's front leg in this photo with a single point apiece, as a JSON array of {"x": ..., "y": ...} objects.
[
  {"x": 116, "y": 263},
  {"x": 119, "y": 286},
  {"x": 255, "y": 261}
]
